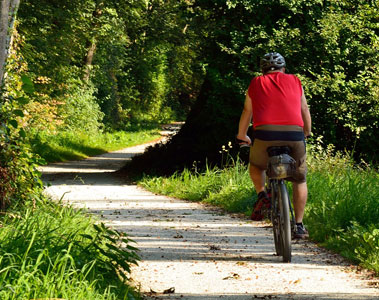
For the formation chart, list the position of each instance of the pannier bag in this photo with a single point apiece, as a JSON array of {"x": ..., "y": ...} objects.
[{"x": 281, "y": 166}]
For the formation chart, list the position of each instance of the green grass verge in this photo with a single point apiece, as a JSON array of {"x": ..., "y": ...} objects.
[
  {"x": 342, "y": 212},
  {"x": 54, "y": 251},
  {"x": 66, "y": 145}
]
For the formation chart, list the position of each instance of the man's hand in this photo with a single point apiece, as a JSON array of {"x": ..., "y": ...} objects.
[
  {"x": 307, "y": 135},
  {"x": 243, "y": 140}
]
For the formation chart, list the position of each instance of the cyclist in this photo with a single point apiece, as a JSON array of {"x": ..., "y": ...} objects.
[{"x": 276, "y": 103}]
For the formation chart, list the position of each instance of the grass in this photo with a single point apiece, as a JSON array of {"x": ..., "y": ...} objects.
[
  {"x": 211, "y": 186},
  {"x": 343, "y": 207},
  {"x": 67, "y": 145},
  {"x": 51, "y": 251},
  {"x": 342, "y": 212},
  {"x": 54, "y": 251}
]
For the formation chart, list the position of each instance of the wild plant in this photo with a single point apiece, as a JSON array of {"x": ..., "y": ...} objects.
[{"x": 56, "y": 251}]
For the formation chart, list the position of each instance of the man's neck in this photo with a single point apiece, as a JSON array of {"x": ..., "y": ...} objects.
[{"x": 275, "y": 71}]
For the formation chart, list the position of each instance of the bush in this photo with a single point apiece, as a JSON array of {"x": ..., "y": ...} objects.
[{"x": 81, "y": 111}]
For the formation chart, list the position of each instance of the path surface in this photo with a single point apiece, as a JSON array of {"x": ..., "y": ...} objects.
[{"x": 190, "y": 251}]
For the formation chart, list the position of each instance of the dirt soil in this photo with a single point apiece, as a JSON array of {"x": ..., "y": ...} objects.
[{"x": 192, "y": 251}]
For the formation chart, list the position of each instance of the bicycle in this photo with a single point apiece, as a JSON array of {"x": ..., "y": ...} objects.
[{"x": 280, "y": 166}]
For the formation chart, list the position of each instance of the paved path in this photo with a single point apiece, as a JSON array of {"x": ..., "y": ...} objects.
[{"x": 191, "y": 251}]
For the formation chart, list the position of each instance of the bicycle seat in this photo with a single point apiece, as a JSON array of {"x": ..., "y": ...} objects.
[{"x": 278, "y": 150}]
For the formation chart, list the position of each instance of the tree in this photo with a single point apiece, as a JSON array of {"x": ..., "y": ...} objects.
[
  {"x": 19, "y": 180},
  {"x": 331, "y": 45},
  {"x": 139, "y": 58},
  {"x": 8, "y": 16}
]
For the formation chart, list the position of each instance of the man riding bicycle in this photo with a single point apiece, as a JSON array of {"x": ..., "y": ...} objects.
[{"x": 276, "y": 103}]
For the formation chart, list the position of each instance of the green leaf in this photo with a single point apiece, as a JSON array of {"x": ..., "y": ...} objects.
[
  {"x": 18, "y": 112},
  {"x": 87, "y": 236},
  {"x": 22, "y": 133},
  {"x": 28, "y": 89},
  {"x": 27, "y": 84},
  {"x": 22, "y": 100},
  {"x": 13, "y": 123},
  {"x": 26, "y": 80}
]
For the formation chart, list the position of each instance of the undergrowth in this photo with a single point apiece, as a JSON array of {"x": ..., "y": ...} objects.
[
  {"x": 55, "y": 251},
  {"x": 342, "y": 212}
]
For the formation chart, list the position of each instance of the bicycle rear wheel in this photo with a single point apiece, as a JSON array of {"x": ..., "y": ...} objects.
[
  {"x": 275, "y": 218},
  {"x": 285, "y": 222}
]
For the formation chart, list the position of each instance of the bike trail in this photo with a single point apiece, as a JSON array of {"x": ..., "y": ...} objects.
[{"x": 197, "y": 252}]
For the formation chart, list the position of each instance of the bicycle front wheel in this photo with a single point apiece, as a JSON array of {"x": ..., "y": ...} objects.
[{"x": 285, "y": 223}]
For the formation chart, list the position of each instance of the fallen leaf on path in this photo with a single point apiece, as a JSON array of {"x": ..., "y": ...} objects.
[
  {"x": 171, "y": 290},
  {"x": 214, "y": 247},
  {"x": 233, "y": 276}
]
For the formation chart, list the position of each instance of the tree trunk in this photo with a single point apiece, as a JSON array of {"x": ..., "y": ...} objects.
[
  {"x": 8, "y": 16},
  {"x": 91, "y": 45},
  {"x": 115, "y": 113},
  {"x": 88, "y": 60}
]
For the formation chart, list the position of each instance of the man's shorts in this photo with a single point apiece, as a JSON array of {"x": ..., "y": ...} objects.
[{"x": 264, "y": 139}]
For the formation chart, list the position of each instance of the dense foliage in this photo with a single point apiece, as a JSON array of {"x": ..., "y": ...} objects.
[
  {"x": 104, "y": 65},
  {"x": 331, "y": 45},
  {"x": 98, "y": 65},
  {"x": 114, "y": 62},
  {"x": 19, "y": 179},
  {"x": 90, "y": 67}
]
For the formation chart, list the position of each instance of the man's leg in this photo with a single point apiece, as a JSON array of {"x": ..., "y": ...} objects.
[
  {"x": 300, "y": 194},
  {"x": 260, "y": 208},
  {"x": 258, "y": 177}
]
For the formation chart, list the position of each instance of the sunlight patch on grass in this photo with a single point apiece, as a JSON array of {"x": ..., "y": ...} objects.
[{"x": 71, "y": 146}]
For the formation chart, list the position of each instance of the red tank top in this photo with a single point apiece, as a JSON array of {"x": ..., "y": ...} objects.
[{"x": 276, "y": 99}]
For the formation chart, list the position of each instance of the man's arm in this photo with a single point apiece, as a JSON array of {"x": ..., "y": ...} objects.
[
  {"x": 306, "y": 116},
  {"x": 245, "y": 120}
]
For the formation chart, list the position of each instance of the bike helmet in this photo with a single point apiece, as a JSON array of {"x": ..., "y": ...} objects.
[{"x": 272, "y": 61}]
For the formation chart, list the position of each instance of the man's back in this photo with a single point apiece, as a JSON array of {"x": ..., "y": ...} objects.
[{"x": 276, "y": 99}]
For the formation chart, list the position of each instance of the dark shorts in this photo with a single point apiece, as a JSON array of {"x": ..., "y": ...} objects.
[{"x": 258, "y": 152}]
